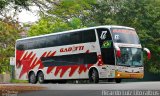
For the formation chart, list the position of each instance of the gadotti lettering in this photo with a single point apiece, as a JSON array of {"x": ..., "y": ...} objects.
[{"x": 74, "y": 48}]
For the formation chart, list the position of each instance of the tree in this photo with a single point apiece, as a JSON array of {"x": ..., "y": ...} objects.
[
  {"x": 69, "y": 9},
  {"x": 46, "y": 26},
  {"x": 9, "y": 32},
  {"x": 15, "y": 6},
  {"x": 26, "y": 3},
  {"x": 10, "y": 27},
  {"x": 143, "y": 15},
  {"x": 65, "y": 15}
]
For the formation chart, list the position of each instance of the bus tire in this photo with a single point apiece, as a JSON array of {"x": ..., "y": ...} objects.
[
  {"x": 32, "y": 78},
  {"x": 40, "y": 77},
  {"x": 93, "y": 76},
  {"x": 118, "y": 80}
]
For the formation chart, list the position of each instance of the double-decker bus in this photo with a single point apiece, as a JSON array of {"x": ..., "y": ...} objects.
[{"x": 96, "y": 53}]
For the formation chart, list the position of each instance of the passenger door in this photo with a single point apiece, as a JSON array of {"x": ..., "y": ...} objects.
[{"x": 106, "y": 46}]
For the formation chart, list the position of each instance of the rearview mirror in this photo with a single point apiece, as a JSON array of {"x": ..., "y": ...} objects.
[
  {"x": 118, "y": 51},
  {"x": 148, "y": 53}
]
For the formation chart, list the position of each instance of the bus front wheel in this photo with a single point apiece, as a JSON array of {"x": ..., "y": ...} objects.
[
  {"x": 32, "y": 78},
  {"x": 93, "y": 76}
]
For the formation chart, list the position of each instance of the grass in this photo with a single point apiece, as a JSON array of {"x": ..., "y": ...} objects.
[{"x": 18, "y": 81}]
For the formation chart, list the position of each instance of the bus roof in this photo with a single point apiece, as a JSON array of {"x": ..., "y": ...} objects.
[{"x": 104, "y": 26}]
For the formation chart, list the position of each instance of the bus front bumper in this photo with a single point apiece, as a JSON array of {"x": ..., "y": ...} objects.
[{"x": 129, "y": 75}]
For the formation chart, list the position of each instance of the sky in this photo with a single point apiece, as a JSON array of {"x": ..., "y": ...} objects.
[{"x": 28, "y": 16}]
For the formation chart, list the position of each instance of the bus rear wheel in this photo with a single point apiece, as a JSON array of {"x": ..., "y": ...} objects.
[
  {"x": 93, "y": 76},
  {"x": 40, "y": 78},
  {"x": 32, "y": 78},
  {"x": 118, "y": 80}
]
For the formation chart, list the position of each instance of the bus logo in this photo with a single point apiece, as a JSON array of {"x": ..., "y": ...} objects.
[
  {"x": 116, "y": 37},
  {"x": 74, "y": 48},
  {"x": 103, "y": 35}
]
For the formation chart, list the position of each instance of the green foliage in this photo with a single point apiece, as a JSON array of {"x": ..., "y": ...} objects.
[
  {"x": 47, "y": 26},
  {"x": 67, "y": 15},
  {"x": 8, "y": 34},
  {"x": 9, "y": 30},
  {"x": 25, "y": 4},
  {"x": 3, "y": 3},
  {"x": 16, "y": 3},
  {"x": 67, "y": 9},
  {"x": 18, "y": 81},
  {"x": 143, "y": 15}
]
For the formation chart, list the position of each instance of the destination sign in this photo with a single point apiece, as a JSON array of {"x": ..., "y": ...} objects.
[{"x": 123, "y": 31}]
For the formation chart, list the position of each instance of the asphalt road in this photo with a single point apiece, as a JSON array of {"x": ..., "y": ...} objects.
[
  {"x": 106, "y": 86},
  {"x": 102, "y": 89}
]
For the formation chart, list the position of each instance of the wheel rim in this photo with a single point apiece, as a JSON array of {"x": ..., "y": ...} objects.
[
  {"x": 32, "y": 78},
  {"x": 40, "y": 78},
  {"x": 93, "y": 76}
]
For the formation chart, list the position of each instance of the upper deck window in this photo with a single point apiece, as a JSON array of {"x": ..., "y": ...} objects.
[
  {"x": 123, "y": 35},
  {"x": 69, "y": 38}
]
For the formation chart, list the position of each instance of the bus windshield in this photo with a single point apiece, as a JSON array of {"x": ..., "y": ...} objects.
[
  {"x": 130, "y": 57},
  {"x": 122, "y": 35}
]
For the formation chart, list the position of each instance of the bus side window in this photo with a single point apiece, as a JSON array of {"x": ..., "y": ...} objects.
[
  {"x": 64, "y": 39},
  {"x": 51, "y": 41},
  {"x": 76, "y": 37},
  {"x": 19, "y": 46},
  {"x": 41, "y": 42},
  {"x": 67, "y": 38},
  {"x": 88, "y": 36},
  {"x": 32, "y": 44}
]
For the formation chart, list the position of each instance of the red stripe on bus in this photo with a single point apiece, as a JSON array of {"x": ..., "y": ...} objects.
[
  {"x": 73, "y": 69},
  {"x": 28, "y": 63},
  {"x": 49, "y": 69},
  {"x": 18, "y": 57}
]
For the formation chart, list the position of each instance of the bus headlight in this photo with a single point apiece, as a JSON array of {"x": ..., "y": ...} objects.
[{"x": 118, "y": 75}]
